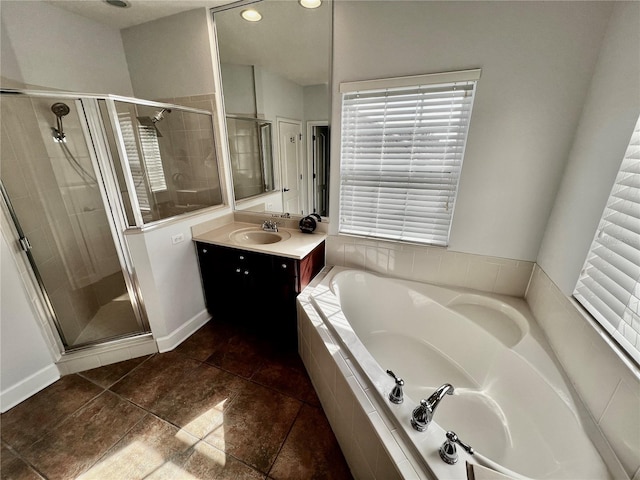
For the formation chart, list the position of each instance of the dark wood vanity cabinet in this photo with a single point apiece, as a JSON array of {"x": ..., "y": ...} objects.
[{"x": 256, "y": 289}]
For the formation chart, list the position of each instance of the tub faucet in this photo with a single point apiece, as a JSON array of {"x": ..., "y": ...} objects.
[
  {"x": 396, "y": 395},
  {"x": 423, "y": 413}
]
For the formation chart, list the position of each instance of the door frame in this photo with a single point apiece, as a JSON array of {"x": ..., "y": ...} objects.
[
  {"x": 301, "y": 162},
  {"x": 309, "y": 160}
]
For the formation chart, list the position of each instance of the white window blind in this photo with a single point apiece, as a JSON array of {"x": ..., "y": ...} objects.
[
  {"x": 401, "y": 156},
  {"x": 609, "y": 284},
  {"x": 135, "y": 165},
  {"x": 152, "y": 159}
]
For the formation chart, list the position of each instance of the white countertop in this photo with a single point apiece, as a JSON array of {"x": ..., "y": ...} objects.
[{"x": 297, "y": 246}]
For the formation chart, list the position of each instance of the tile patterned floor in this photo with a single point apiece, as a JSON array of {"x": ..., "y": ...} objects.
[{"x": 225, "y": 404}]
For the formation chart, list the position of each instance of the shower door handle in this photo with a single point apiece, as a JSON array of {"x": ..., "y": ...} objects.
[{"x": 25, "y": 244}]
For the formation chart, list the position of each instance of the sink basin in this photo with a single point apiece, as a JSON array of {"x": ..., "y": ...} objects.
[{"x": 255, "y": 236}]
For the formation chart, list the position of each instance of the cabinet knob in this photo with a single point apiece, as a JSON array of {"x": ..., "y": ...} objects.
[
  {"x": 204, "y": 250},
  {"x": 238, "y": 270},
  {"x": 241, "y": 257},
  {"x": 246, "y": 272},
  {"x": 284, "y": 265}
]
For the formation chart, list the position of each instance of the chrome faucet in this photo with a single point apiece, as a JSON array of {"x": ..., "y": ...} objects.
[
  {"x": 396, "y": 395},
  {"x": 423, "y": 413},
  {"x": 448, "y": 451},
  {"x": 270, "y": 226}
]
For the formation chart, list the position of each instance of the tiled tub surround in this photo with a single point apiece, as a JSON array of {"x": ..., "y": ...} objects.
[
  {"x": 435, "y": 265},
  {"x": 353, "y": 387},
  {"x": 608, "y": 385}
]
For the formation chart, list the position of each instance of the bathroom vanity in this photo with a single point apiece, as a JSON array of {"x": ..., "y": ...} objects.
[{"x": 247, "y": 279}]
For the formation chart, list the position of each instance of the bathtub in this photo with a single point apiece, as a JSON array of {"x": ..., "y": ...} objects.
[{"x": 511, "y": 402}]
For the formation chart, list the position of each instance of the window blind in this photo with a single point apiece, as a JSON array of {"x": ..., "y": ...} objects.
[
  {"x": 609, "y": 284},
  {"x": 152, "y": 158},
  {"x": 135, "y": 165},
  {"x": 401, "y": 156}
]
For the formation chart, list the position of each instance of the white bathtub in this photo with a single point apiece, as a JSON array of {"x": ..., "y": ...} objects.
[{"x": 511, "y": 402}]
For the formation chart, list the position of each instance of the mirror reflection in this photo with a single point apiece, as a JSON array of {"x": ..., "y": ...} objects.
[{"x": 275, "y": 78}]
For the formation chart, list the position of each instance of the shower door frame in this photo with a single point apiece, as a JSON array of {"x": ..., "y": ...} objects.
[{"x": 102, "y": 163}]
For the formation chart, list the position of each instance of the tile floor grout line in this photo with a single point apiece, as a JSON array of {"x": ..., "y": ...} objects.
[
  {"x": 19, "y": 456},
  {"x": 111, "y": 446},
  {"x": 295, "y": 419},
  {"x": 112, "y": 384},
  {"x": 62, "y": 420}
]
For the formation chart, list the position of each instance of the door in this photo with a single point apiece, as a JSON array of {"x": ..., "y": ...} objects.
[
  {"x": 55, "y": 194},
  {"x": 320, "y": 169},
  {"x": 290, "y": 149}
]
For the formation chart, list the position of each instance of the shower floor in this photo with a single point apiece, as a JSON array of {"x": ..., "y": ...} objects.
[{"x": 113, "y": 319}]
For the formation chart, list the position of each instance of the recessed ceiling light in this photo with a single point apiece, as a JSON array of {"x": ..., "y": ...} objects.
[
  {"x": 251, "y": 15},
  {"x": 310, "y": 3},
  {"x": 118, "y": 3}
]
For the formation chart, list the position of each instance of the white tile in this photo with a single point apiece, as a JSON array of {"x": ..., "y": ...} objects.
[
  {"x": 377, "y": 260},
  {"x": 426, "y": 267},
  {"x": 107, "y": 358},
  {"x": 361, "y": 466},
  {"x": 361, "y": 395},
  {"x": 386, "y": 467},
  {"x": 407, "y": 471},
  {"x": 620, "y": 424},
  {"x": 81, "y": 364},
  {"x": 335, "y": 254},
  {"x": 354, "y": 256},
  {"x": 366, "y": 441},
  {"x": 513, "y": 280},
  {"x": 453, "y": 268},
  {"x": 401, "y": 263},
  {"x": 482, "y": 275}
]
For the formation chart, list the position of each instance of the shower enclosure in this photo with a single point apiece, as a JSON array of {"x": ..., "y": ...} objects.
[{"x": 77, "y": 172}]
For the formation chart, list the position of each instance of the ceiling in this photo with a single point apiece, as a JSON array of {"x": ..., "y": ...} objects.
[
  {"x": 290, "y": 40},
  {"x": 139, "y": 11}
]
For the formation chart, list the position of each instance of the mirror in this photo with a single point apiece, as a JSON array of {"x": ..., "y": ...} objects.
[{"x": 276, "y": 72}]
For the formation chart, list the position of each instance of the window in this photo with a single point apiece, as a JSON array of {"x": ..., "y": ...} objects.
[
  {"x": 403, "y": 142},
  {"x": 609, "y": 284}
]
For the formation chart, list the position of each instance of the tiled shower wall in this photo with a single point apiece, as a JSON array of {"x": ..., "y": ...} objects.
[
  {"x": 430, "y": 264},
  {"x": 245, "y": 157},
  {"x": 609, "y": 386},
  {"x": 190, "y": 157},
  {"x": 62, "y": 216}
]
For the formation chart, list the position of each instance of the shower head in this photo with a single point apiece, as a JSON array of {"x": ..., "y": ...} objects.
[
  {"x": 160, "y": 115},
  {"x": 151, "y": 121},
  {"x": 60, "y": 109}
]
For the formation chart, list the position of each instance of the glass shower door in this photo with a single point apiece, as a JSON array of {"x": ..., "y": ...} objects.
[{"x": 56, "y": 196}]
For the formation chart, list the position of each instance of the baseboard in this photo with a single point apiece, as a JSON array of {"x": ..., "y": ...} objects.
[
  {"x": 29, "y": 386},
  {"x": 179, "y": 335}
]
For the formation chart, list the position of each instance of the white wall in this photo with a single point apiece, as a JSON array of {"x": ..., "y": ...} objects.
[
  {"x": 57, "y": 49},
  {"x": 316, "y": 102},
  {"x": 239, "y": 90},
  {"x": 277, "y": 96},
  {"x": 170, "y": 279},
  {"x": 537, "y": 59},
  {"x": 607, "y": 382},
  {"x": 609, "y": 115},
  {"x": 26, "y": 364},
  {"x": 171, "y": 56}
]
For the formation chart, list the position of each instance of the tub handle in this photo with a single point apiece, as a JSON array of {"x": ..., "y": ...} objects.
[
  {"x": 448, "y": 451},
  {"x": 396, "y": 395}
]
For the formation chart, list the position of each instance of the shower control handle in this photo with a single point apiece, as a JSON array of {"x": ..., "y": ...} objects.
[{"x": 396, "y": 395}]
